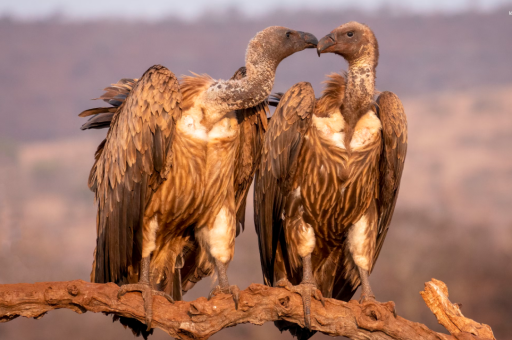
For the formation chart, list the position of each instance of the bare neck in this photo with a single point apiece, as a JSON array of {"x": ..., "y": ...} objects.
[
  {"x": 255, "y": 87},
  {"x": 359, "y": 90},
  {"x": 258, "y": 83}
]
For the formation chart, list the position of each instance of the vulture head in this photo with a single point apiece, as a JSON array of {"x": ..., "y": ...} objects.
[
  {"x": 353, "y": 41},
  {"x": 275, "y": 43}
]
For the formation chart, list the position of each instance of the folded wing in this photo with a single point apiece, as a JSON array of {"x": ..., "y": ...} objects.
[
  {"x": 130, "y": 165},
  {"x": 281, "y": 147},
  {"x": 394, "y": 135}
]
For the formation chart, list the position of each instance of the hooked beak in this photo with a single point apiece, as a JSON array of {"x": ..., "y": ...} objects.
[
  {"x": 325, "y": 43},
  {"x": 310, "y": 40}
]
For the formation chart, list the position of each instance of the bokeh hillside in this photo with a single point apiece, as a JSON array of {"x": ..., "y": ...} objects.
[{"x": 454, "y": 215}]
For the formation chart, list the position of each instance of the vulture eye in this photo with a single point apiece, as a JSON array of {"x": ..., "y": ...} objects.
[
  {"x": 288, "y": 34},
  {"x": 350, "y": 34}
]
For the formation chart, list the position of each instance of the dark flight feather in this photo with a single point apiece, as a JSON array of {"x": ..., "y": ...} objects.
[
  {"x": 281, "y": 146},
  {"x": 123, "y": 169},
  {"x": 394, "y": 149}
]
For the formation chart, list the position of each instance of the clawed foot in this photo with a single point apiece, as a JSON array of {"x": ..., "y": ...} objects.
[
  {"x": 147, "y": 295},
  {"x": 306, "y": 290},
  {"x": 366, "y": 297},
  {"x": 233, "y": 290}
]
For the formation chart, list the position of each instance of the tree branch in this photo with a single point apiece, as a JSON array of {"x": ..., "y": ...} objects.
[
  {"x": 449, "y": 315},
  {"x": 201, "y": 318}
]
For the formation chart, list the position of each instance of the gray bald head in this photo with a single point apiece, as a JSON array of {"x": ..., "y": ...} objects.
[
  {"x": 264, "y": 53},
  {"x": 275, "y": 43}
]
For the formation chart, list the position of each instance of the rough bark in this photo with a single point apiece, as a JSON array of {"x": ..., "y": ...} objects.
[
  {"x": 201, "y": 318},
  {"x": 449, "y": 315}
]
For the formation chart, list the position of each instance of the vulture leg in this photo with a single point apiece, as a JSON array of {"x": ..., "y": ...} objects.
[
  {"x": 220, "y": 242},
  {"x": 361, "y": 241},
  {"x": 366, "y": 294},
  {"x": 144, "y": 286},
  {"x": 224, "y": 286},
  {"x": 306, "y": 289}
]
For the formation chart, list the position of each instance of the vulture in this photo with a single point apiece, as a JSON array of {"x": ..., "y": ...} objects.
[
  {"x": 328, "y": 180},
  {"x": 172, "y": 176}
]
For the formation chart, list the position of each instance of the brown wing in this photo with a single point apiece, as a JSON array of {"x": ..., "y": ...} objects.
[
  {"x": 252, "y": 123},
  {"x": 281, "y": 147},
  {"x": 394, "y": 149},
  {"x": 130, "y": 166}
]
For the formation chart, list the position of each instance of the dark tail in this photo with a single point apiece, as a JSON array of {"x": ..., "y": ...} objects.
[
  {"x": 275, "y": 98},
  {"x": 138, "y": 328},
  {"x": 115, "y": 95},
  {"x": 177, "y": 294},
  {"x": 294, "y": 329}
]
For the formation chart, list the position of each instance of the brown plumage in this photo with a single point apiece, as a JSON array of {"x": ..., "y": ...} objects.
[
  {"x": 172, "y": 176},
  {"x": 328, "y": 180},
  {"x": 253, "y": 124}
]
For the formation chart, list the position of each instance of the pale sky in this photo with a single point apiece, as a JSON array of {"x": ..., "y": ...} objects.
[{"x": 190, "y": 9}]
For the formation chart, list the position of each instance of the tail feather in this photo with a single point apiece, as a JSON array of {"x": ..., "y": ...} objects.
[
  {"x": 138, "y": 328},
  {"x": 294, "y": 329},
  {"x": 275, "y": 98},
  {"x": 97, "y": 110},
  {"x": 99, "y": 121},
  {"x": 115, "y": 95},
  {"x": 176, "y": 280}
]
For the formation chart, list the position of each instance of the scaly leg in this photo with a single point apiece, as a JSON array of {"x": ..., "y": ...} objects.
[
  {"x": 306, "y": 289},
  {"x": 144, "y": 286},
  {"x": 366, "y": 293},
  {"x": 224, "y": 286}
]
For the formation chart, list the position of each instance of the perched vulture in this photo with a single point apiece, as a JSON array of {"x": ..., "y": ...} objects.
[
  {"x": 171, "y": 177},
  {"x": 329, "y": 176}
]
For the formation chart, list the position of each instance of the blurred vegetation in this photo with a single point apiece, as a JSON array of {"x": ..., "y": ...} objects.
[{"x": 8, "y": 149}]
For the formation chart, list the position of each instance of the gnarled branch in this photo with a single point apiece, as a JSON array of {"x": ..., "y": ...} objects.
[
  {"x": 201, "y": 318},
  {"x": 449, "y": 315}
]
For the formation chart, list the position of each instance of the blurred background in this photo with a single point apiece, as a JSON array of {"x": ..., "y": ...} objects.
[{"x": 449, "y": 62}]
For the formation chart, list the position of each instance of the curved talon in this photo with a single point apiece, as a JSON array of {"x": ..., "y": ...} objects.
[
  {"x": 366, "y": 298},
  {"x": 320, "y": 297},
  {"x": 120, "y": 293},
  {"x": 167, "y": 296},
  {"x": 147, "y": 295},
  {"x": 233, "y": 290},
  {"x": 213, "y": 292},
  {"x": 306, "y": 290},
  {"x": 123, "y": 290},
  {"x": 284, "y": 283}
]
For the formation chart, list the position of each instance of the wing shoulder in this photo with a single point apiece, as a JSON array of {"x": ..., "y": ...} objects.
[{"x": 142, "y": 128}]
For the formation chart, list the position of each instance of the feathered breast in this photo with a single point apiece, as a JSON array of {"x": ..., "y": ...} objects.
[
  {"x": 192, "y": 86},
  {"x": 332, "y": 96},
  {"x": 337, "y": 186}
]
